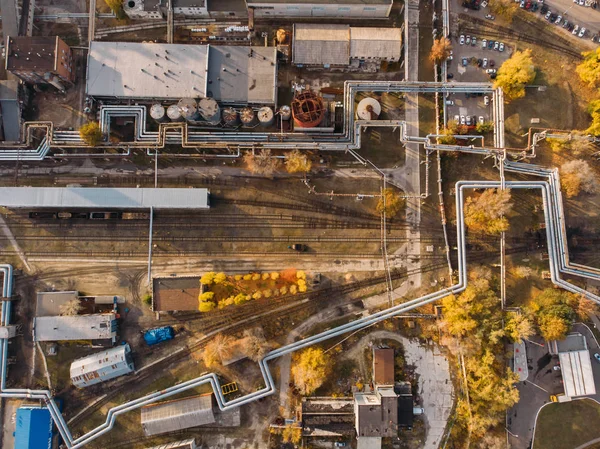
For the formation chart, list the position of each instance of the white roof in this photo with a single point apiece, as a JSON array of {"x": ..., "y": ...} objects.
[
  {"x": 375, "y": 42},
  {"x": 146, "y": 70},
  {"x": 577, "y": 374},
  {"x": 103, "y": 197},
  {"x": 99, "y": 360},
  {"x": 79, "y": 327},
  {"x": 320, "y": 44},
  {"x": 176, "y": 415}
]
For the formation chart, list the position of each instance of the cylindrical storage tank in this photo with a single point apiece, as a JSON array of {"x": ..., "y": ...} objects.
[
  {"x": 368, "y": 109},
  {"x": 157, "y": 112},
  {"x": 189, "y": 109},
  {"x": 210, "y": 111},
  {"x": 248, "y": 117},
  {"x": 308, "y": 110},
  {"x": 266, "y": 117},
  {"x": 174, "y": 113},
  {"x": 230, "y": 117},
  {"x": 286, "y": 112}
]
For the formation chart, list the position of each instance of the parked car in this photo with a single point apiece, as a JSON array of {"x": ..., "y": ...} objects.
[
  {"x": 473, "y": 41},
  {"x": 451, "y": 55},
  {"x": 543, "y": 9},
  {"x": 489, "y": 17},
  {"x": 300, "y": 247},
  {"x": 484, "y": 44},
  {"x": 582, "y": 32},
  {"x": 457, "y": 118},
  {"x": 469, "y": 120},
  {"x": 450, "y": 102},
  {"x": 492, "y": 63},
  {"x": 462, "y": 39},
  {"x": 485, "y": 63},
  {"x": 552, "y": 18},
  {"x": 463, "y": 120},
  {"x": 464, "y": 62},
  {"x": 496, "y": 45},
  {"x": 558, "y": 20},
  {"x": 486, "y": 100},
  {"x": 479, "y": 62},
  {"x": 575, "y": 30},
  {"x": 450, "y": 76},
  {"x": 535, "y": 7},
  {"x": 481, "y": 120},
  {"x": 501, "y": 46},
  {"x": 597, "y": 356},
  {"x": 490, "y": 45},
  {"x": 548, "y": 14},
  {"x": 491, "y": 71},
  {"x": 565, "y": 23},
  {"x": 468, "y": 40},
  {"x": 522, "y": 4}
]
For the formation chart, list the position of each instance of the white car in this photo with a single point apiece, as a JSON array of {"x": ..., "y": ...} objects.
[
  {"x": 468, "y": 40},
  {"x": 486, "y": 100},
  {"x": 457, "y": 118},
  {"x": 451, "y": 55},
  {"x": 496, "y": 45},
  {"x": 462, "y": 120},
  {"x": 582, "y": 32},
  {"x": 581, "y": 2},
  {"x": 484, "y": 44},
  {"x": 491, "y": 71},
  {"x": 575, "y": 30},
  {"x": 485, "y": 63},
  {"x": 468, "y": 120},
  {"x": 462, "y": 39},
  {"x": 489, "y": 17},
  {"x": 481, "y": 120},
  {"x": 558, "y": 20},
  {"x": 450, "y": 102},
  {"x": 501, "y": 46}
]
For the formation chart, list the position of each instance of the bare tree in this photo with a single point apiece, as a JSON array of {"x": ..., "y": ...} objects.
[
  {"x": 70, "y": 308},
  {"x": 217, "y": 350},
  {"x": 577, "y": 176},
  {"x": 262, "y": 163},
  {"x": 255, "y": 344}
]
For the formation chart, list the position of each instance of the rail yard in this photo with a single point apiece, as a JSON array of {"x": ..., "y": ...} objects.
[{"x": 255, "y": 224}]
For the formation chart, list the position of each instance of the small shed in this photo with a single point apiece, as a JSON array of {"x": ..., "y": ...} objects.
[
  {"x": 33, "y": 428},
  {"x": 102, "y": 366},
  {"x": 177, "y": 415}
]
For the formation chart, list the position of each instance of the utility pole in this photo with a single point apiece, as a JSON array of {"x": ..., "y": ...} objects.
[{"x": 156, "y": 168}]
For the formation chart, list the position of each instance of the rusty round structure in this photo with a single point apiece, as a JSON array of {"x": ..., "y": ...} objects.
[{"x": 307, "y": 109}]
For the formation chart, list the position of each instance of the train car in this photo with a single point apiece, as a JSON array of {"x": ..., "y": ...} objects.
[
  {"x": 104, "y": 215},
  {"x": 135, "y": 216}
]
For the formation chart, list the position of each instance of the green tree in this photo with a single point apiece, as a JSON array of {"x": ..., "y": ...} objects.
[
  {"x": 589, "y": 69},
  {"x": 310, "y": 369},
  {"x": 440, "y": 50},
  {"x": 393, "y": 202},
  {"x": 554, "y": 312},
  {"x": 296, "y": 161},
  {"x": 514, "y": 74},
  {"x": 90, "y": 133},
  {"x": 485, "y": 213}
]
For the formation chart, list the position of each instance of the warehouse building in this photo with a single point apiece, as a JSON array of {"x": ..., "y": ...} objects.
[
  {"x": 103, "y": 197},
  {"x": 229, "y": 74},
  {"x": 102, "y": 366},
  {"x": 383, "y": 366},
  {"x": 52, "y": 303},
  {"x": 40, "y": 60},
  {"x": 145, "y": 9},
  {"x": 185, "y": 413},
  {"x": 99, "y": 328},
  {"x": 575, "y": 365},
  {"x": 325, "y": 45},
  {"x": 33, "y": 428},
  {"x": 346, "y": 9},
  {"x": 190, "y": 8}
]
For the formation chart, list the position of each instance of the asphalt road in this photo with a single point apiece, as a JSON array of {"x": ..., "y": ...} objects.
[{"x": 542, "y": 382}]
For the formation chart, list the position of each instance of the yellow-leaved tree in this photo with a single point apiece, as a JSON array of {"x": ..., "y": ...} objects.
[
  {"x": 310, "y": 369},
  {"x": 297, "y": 162},
  {"x": 577, "y": 176},
  {"x": 391, "y": 202},
  {"x": 440, "y": 50},
  {"x": 485, "y": 213},
  {"x": 514, "y": 74},
  {"x": 90, "y": 133},
  {"x": 589, "y": 69}
]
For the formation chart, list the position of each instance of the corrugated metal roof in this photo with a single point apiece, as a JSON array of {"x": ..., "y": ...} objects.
[
  {"x": 33, "y": 428},
  {"x": 101, "y": 366},
  {"x": 183, "y": 444},
  {"x": 375, "y": 42},
  {"x": 97, "y": 326},
  {"x": 316, "y": 44},
  {"x": 146, "y": 70},
  {"x": 176, "y": 415},
  {"x": 577, "y": 374},
  {"x": 383, "y": 366},
  {"x": 99, "y": 197}
]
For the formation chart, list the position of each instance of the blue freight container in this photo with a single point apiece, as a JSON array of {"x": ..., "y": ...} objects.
[{"x": 158, "y": 335}]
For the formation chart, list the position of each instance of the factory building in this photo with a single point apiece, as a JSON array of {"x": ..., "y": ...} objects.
[
  {"x": 102, "y": 366},
  {"x": 145, "y": 9},
  {"x": 10, "y": 111},
  {"x": 329, "y": 46},
  {"x": 229, "y": 74},
  {"x": 33, "y": 428},
  {"x": 40, "y": 60},
  {"x": 346, "y": 9},
  {"x": 190, "y": 8},
  {"x": 99, "y": 328},
  {"x": 185, "y": 413},
  {"x": 575, "y": 365}
]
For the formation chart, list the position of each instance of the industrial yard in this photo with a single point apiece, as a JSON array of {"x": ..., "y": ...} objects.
[{"x": 284, "y": 224}]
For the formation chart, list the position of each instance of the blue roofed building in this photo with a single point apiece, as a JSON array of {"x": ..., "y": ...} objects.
[{"x": 33, "y": 428}]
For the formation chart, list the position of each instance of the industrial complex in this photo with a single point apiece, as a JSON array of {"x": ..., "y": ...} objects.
[{"x": 293, "y": 223}]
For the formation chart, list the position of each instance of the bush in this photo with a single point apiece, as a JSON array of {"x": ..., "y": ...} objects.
[
  {"x": 220, "y": 278},
  {"x": 206, "y": 306},
  {"x": 147, "y": 299},
  {"x": 208, "y": 278}
]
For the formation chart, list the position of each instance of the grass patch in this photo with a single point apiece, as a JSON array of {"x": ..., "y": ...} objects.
[{"x": 567, "y": 425}]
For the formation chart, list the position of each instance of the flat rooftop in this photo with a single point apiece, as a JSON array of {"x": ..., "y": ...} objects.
[
  {"x": 31, "y": 53},
  {"x": 48, "y": 303},
  {"x": 176, "y": 294},
  {"x": 324, "y": 2},
  {"x": 102, "y": 197},
  {"x": 146, "y": 70},
  {"x": 78, "y": 327}
]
